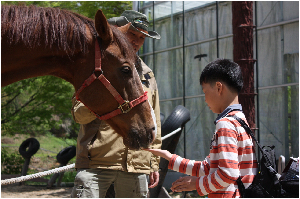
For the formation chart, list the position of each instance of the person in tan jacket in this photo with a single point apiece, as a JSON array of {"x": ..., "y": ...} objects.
[{"x": 101, "y": 156}]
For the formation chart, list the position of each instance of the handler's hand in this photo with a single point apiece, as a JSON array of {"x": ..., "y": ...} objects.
[
  {"x": 154, "y": 179},
  {"x": 162, "y": 153},
  {"x": 187, "y": 183}
]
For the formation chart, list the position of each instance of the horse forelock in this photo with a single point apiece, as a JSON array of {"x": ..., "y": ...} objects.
[{"x": 52, "y": 27}]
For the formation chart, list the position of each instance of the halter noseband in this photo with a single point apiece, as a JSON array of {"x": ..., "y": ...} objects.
[{"x": 124, "y": 105}]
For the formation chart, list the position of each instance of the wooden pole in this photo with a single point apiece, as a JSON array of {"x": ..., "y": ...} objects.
[{"x": 242, "y": 25}]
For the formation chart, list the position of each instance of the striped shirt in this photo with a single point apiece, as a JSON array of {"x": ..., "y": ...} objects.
[{"x": 232, "y": 154}]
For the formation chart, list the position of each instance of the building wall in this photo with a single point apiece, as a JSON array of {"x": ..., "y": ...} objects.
[{"x": 194, "y": 32}]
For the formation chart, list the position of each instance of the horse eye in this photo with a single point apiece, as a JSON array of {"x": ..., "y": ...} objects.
[{"x": 126, "y": 69}]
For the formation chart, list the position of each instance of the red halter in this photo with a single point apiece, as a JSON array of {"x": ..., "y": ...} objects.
[{"x": 125, "y": 106}]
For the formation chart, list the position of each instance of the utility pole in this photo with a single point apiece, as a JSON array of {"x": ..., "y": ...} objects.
[{"x": 242, "y": 26}]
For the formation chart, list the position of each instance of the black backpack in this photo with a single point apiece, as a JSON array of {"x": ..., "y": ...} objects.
[{"x": 266, "y": 183}]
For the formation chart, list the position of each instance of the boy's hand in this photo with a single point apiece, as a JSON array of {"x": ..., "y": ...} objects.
[
  {"x": 162, "y": 153},
  {"x": 187, "y": 183}
]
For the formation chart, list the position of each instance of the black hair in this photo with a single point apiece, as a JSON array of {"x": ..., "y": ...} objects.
[{"x": 223, "y": 70}]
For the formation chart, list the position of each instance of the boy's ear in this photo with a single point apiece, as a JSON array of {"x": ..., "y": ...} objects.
[{"x": 219, "y": 87}]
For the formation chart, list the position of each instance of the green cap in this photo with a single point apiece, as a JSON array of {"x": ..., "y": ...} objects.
[{"x": 137, "y": 19}]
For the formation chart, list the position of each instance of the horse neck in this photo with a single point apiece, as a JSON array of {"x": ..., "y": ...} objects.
[{"x": 20, "y": 62}]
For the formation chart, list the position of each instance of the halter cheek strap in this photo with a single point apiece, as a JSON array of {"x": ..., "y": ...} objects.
[{"x": 124, "y": 105}]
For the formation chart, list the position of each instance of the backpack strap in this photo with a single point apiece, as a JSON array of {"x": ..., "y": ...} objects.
[
  {"x": 241, "y": 187},
  {"x": 249, "y": 131},
  {"x": 267, "y": 163}
]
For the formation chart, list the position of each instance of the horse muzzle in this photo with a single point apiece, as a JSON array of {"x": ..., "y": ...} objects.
[{"x": 136, "y": 140}]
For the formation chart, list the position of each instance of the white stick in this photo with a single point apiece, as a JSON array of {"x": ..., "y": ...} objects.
[{"x": 172, "y": 133}]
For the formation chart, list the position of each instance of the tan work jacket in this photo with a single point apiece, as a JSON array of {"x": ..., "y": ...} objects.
[{"x": 99, "y": 146}]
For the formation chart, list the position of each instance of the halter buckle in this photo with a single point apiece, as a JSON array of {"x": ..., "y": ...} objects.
[{"x": 125, "y": 107}]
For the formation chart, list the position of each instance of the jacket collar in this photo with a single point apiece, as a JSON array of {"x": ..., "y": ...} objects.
[{"x": 234, "y": 107}]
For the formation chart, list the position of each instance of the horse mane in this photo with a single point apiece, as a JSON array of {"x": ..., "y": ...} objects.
[
  {"x": 32, "y": 25},
  {"x": 58, "y": 28}
]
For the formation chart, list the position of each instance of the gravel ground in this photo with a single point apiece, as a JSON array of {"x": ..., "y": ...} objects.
[{"x": 25, "y": 191}]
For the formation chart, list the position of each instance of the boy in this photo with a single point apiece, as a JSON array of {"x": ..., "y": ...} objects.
[{"x": 232, "y": 152}]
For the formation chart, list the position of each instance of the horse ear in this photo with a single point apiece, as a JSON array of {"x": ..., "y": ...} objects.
[
  {"x": 102, "y": 27},
  {"x": 125, "y": 28}
]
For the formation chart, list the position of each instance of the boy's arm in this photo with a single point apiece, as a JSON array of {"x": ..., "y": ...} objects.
[
  {"x": 182, "y": 165},
  {"x": 187, "y": 183},
  {"x": 162, "y": 153}
]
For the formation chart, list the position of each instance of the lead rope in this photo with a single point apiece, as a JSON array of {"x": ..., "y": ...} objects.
[{"x": 37, "y": 175}]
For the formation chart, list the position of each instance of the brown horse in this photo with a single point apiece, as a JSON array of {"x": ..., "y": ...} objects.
[{"x": 39, "y": 41}]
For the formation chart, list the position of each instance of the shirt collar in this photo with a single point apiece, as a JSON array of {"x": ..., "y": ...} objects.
[{"x": 230, "y": 108}]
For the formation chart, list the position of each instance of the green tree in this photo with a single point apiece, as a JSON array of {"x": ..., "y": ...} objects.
[
  {"x": 109, "y": 8},
  {"x": 86, "y": 8},
  {"x": 42, "y": 104},
  {"x": 35, "y": 105}
]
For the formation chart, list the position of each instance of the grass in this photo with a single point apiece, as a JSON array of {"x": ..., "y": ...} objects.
[{"x": 47, "y": 142}]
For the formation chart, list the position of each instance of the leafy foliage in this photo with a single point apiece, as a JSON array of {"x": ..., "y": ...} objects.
[
  {"x": 86, "y": 8},
  {"x": 69, "y": 176},
  {"x": 11, "y": 163},
  {"x": 37, "y": 105}
]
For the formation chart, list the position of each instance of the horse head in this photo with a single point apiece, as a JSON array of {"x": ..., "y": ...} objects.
[
  {"x": 117, "y": 78},
  {"x": 37, "y": 41}
]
